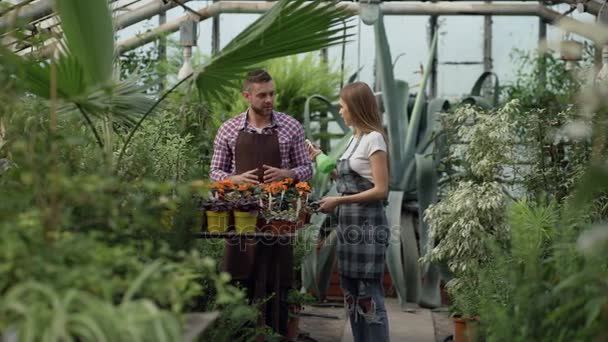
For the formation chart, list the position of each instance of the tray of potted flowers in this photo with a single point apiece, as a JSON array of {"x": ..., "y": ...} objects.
[
  {"x": 284, "y": 206},
  {"x": 277, "y": 208}
]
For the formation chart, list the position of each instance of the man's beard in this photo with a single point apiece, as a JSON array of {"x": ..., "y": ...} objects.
[{"x": 261, "y": 110}]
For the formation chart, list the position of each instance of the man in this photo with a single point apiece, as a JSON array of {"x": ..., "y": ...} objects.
[
  {"x": 260, "y": 146},
  {"x": 246, "y": 145}
]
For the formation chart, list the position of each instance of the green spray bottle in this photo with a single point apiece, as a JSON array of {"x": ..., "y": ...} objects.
[{"x": 325, "y": 163}]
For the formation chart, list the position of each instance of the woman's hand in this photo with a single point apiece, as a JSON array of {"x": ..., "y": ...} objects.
[
  {"x": 328, "y": 204},
  {"x": 312, "y": 149}
]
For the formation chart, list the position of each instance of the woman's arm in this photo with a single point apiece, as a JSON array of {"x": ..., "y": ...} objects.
[{"x": 379, "y": 165}]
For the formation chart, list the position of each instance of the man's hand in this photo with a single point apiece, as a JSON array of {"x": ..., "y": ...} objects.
[
  {"x": 274, "y": 174},
  {"x": 245, "y": 177}
]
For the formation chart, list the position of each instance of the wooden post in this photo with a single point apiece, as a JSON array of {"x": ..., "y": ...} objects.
[
  {"x": 215, "y": 33},
  {"x": 162, "y": 50},
  {"x": 433, "y": 81}
]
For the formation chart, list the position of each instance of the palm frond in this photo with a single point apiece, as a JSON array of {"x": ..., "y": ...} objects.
[
  {"x": 289, "y": 27},
  {"x": 89, "y": 32},
  {"x": 126, "y": 101},
  {"x": 35, "y": 76}
]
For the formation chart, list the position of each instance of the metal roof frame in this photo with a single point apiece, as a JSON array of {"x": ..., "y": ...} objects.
[{"x": 42, "y": 9}]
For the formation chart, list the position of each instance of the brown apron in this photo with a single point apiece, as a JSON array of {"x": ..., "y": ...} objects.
[{"x": 252, "y": 151}]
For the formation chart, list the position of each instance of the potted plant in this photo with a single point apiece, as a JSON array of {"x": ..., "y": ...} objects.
[
  {"x": 218, "y": 214},
  {"x": 285, "y": 207},
  {"x": 280, "y": 221},
  {"x": 296, "y": 301},
  {"x": 466, "y": 301},
  {"x": 218, "y": 208},
  {"x": 303, "y": 203},
  {"x": 245, "y": 214},
  {"x": 277, "y": 216},
  {"x": 470, "y": 219}
]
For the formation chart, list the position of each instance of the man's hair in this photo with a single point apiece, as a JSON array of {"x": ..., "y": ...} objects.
[{"x": 256, "y": 76}]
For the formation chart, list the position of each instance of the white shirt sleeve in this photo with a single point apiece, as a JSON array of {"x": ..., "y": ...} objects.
[{"x": 375, "y": 142}]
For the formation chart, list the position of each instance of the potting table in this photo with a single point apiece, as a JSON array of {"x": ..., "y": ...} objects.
[{"x": 265, "y": 266}]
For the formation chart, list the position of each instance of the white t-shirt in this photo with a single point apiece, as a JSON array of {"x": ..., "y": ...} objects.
[{"x": 359, "y": 161}]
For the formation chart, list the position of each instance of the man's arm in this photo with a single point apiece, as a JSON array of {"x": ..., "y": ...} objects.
[
  {"x": 221, "y": 162},
  {"x": 299, "y": 156}
]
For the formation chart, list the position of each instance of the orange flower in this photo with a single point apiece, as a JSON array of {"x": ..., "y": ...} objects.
[
  {"x": 226, "y": 184},
  {"x": 275, "y": 188},
  {"x": 288, "y": 181},
  {"x": 303, "y": 187},
  {"x": 243, "y": 187}
]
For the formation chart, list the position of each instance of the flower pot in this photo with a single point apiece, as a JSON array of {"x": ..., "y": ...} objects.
[
  {"x": 279, "y": 227},
  {"x": 465, "y": 329},
  {"x": 166, "y": 218},
  {"x": 217, "y": 222},
  {"x": 245, "y": 221},
  {"x": 293, "y": 323},
  {"x": 303, "y": 219}
]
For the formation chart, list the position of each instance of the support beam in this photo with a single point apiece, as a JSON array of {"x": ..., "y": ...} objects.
[
  {"x": 145, "y": 12},
  {"x": 44, "y": 8},
  {"x": 162, "y": 49},
  {"x": 487, "y": 43},
  {"x": 28, "y": 13},
  {"x": 215, "y": 33},
  {"x": 433, "y": 86},
  {"x": 542, "y": 41},
  {"x": 441, "y": 8}
]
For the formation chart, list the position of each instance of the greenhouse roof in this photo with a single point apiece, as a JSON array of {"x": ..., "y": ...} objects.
[{"x": 39, "y": 23}]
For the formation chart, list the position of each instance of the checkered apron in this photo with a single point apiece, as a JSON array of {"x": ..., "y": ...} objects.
[{"x": 362, "y": 231}]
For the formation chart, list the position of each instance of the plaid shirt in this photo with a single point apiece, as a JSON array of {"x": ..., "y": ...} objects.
[{"x": 291, "y": 145}]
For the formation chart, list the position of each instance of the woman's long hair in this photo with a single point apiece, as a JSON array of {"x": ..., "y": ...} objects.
[{"x": 363, "y": 109}]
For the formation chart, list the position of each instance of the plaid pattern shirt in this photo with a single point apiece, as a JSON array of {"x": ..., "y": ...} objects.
[{"x": 291, "y": 145}]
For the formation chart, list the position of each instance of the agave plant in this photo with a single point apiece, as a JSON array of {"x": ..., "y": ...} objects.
[{"x": 415, "y": 150}]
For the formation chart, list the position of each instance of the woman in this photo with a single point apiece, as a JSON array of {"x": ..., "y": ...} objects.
[{"x": 363, "y": 232}]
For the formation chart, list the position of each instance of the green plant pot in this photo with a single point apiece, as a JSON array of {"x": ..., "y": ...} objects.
[
  {"x": 217, "y": 222},
  {"x": 166, "y": 218},
  {"x": 245, "y": 222}
]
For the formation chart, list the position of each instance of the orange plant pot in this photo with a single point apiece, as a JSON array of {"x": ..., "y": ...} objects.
[
  {"x": 293, "y": 323},
  {"x": 465, "y": 330},
  {"x": 279, "y": 227},
  {"x": 303, "y": 219}
]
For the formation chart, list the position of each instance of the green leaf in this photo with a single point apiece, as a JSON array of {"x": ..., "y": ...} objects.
[
  {"x": 427, "y": 187},
  {"x": 35, "y": 76},
  {"x": 89, "y": 33},
  {"x": 477, "y": 87},
  {"x": 331, "y": 108},
  {"x": 289, "y": 27},
  {"x": 126, "y": 101},
  {"x": 395, "y": 97},
  {"x": 412, "y": 134}
]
